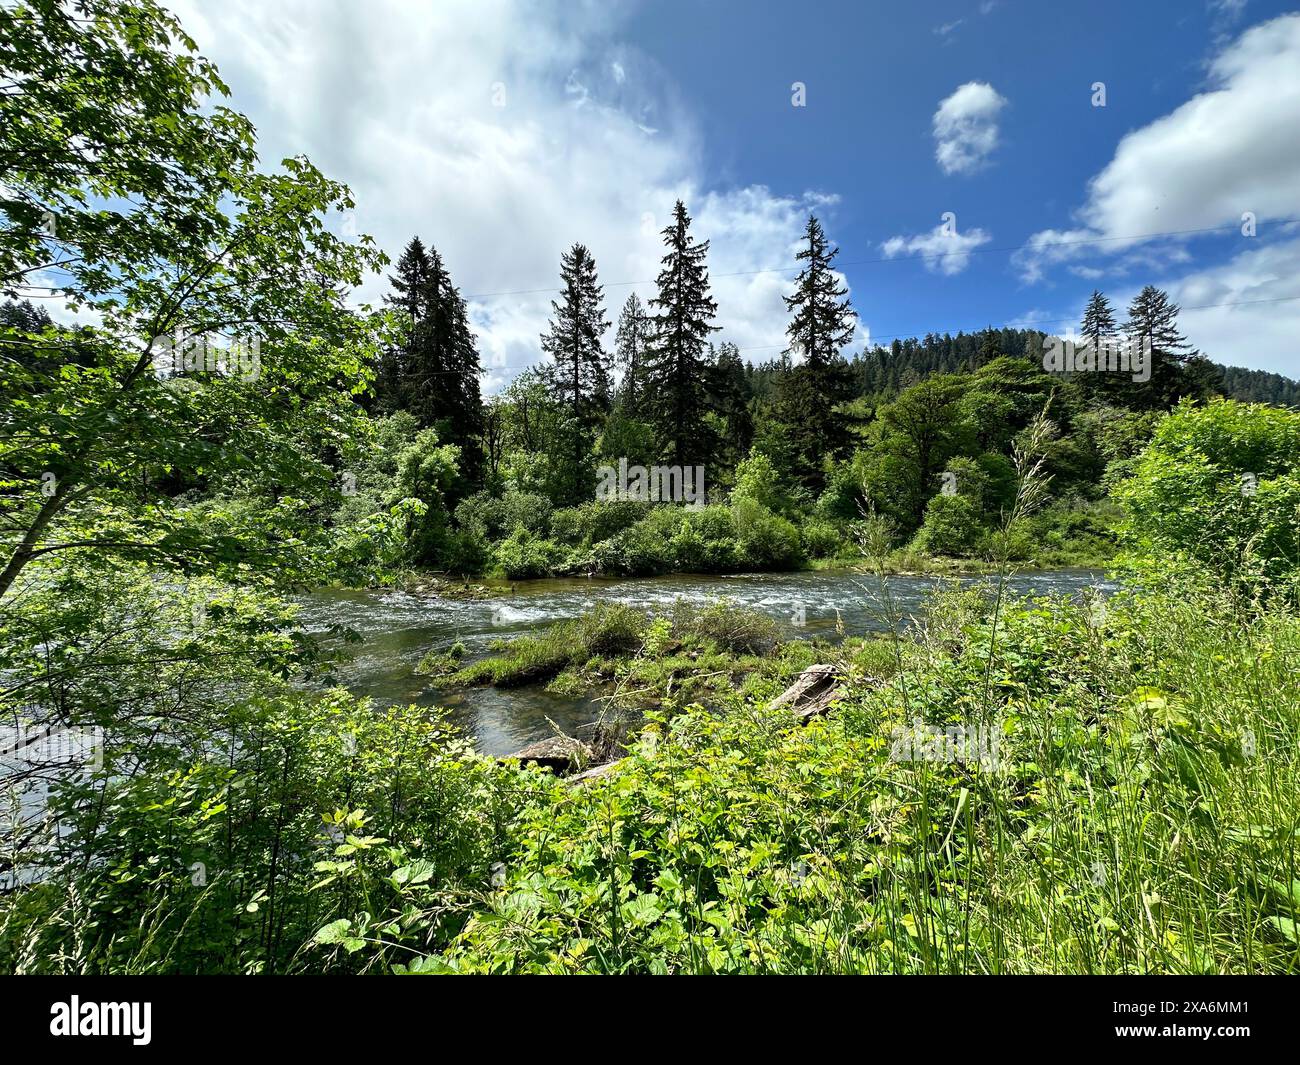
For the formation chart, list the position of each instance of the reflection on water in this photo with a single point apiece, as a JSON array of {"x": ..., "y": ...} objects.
[{"x": 398, "y": 628}]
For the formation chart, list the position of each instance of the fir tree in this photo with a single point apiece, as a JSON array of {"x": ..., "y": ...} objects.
[
  {"x": 1176, "y": 369},
  {"x": 823, "y": 320},
  {"x": 1098, "y": 320},
  {"x": 729, "y": 399},
  {"x": 676, "y": 361},
  {"x": 579, "y": 380},
  {"x": 435, "y": 372},
  {"x": 807, "y": 395},
  {"x": 629, "y": 352}
]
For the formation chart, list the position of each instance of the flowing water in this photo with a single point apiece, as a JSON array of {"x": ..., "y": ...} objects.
[{"x": 397, "y": 629}]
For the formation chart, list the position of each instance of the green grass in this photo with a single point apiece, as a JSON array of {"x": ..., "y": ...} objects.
[{"x": 1143, "y": 815}]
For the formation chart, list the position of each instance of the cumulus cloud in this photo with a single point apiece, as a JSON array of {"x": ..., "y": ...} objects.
[
  {"x": 501, "y": 133},
  {"x": 1243, "y": 312},
  {"x": 944, "y": 250},
  {"x": 966, "y": 127},
  {"x": 1231, "y": 149}
]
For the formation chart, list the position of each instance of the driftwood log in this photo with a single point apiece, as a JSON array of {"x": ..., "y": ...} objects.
[
  {"x": 813, "y": 692},
  {"x": 562, "y": 755}
]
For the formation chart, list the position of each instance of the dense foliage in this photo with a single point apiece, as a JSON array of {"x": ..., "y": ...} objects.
[{"x": 210, "y": 425}]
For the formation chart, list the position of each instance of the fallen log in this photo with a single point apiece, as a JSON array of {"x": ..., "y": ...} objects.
[
  {"x": 595, "y": 772},
  {"x": 562, "y": 755},
  {"x": 812, "y": 692}
]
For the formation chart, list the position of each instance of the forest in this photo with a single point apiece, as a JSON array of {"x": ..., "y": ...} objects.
[{"x": 201, "y": 428}]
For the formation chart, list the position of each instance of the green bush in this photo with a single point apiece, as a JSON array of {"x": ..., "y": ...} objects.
[
  {"x": 593, "y": 522},
  {"x": 521, "y": 556},
  {"x": 952, "y": 526},
  {"x": 820, "y": 539},
  {"x": 492, "y": 518},
  {"x": 1220, "y": 485},
  {"x": 765, "y": 541}
]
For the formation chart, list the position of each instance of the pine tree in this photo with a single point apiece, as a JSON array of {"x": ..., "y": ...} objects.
[
  {"x": 823, "y": 319},
  {"x": 629, "y": 352},
  {"x": 729, "y": 398},
  {"x": 579, "y": 380},
  {"x": 1175, "y": 365},
  {"x": 807, "y": 395},
  {"x": 676, "y": 361},
  {"x": 435, "y": 372},
  {"x": 1098, "y": 320}
]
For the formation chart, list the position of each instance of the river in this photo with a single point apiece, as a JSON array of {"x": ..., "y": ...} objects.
[{"x": 397, "y": 629}]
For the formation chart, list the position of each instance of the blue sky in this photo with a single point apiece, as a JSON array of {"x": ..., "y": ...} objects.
[{"x": 503, "y": 131}]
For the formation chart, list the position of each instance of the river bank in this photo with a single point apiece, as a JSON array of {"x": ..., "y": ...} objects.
[{"x": 398, "y": 628}]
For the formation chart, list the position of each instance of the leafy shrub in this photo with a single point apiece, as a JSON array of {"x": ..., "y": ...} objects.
[
  {"x": 593, "y": 522},
  {"x": 1220, "y": 485},
  {"x": 521, "y": 556},
  {"x": 757, "y": 480},
  {"x": 820, "y": 539},
  {"x": 493, "y": 518},
  {"x": 952, "y": 526},
  {"x": 765, "y": 541}
]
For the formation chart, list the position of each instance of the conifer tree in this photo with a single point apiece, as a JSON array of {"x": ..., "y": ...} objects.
[
  {"x": 1098, "y": 320},
  {"x": 1176, "y": 368},
  {"x": 729, "y": 399},
  {"x": 823, "y": 319},
  {"x": 435, "y": 372},
  {"x": 629, "y": 352},
  {"x": 579, "y": 379},
  {"x": 677, "y": 360},
  {"x": 808, "y": 392}
]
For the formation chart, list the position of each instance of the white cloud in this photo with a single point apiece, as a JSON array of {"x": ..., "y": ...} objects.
[
  {"x": 397, "y": 99},
  {"x": 1231, "y": 149},
  {"x": 944, "y": 251},
  {"x": 966, "y": 127},
  {"x": 1239, "y": 312}
]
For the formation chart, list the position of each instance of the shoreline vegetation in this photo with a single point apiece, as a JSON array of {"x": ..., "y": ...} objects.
[{"x": 902, "y": 564}]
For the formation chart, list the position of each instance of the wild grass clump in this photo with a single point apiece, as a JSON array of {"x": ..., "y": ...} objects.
[
  {"x": 689, "y": 637},
  {"x": 608, "y": 629},
  {"x": 732, "y": 628},
  {"x": 441, "y": 662}
]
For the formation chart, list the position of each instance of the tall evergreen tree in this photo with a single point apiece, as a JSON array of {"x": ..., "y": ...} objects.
[
  {"x": 435, "y": 372},
  {"x": 629, "y": 352},
  {"x": 676, "y": 361},
  {"x": 1176, "y": 368},
  {"x": 1098, "y": 326},
  {"x": 823, "y": 319},
  {"x": 729, "y": 398},
  {"x": 579, "y": 380},
  {"x": 1098, "y": 320},
  {"x": 410, "y": 284},
  {"x": 822, "y": 323}
]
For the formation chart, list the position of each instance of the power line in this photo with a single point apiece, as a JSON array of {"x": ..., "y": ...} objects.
[
  {"x": 949, "y": 331},
  {"x": 922, "y": 257},
  {"x": 975, "y": 329}
]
